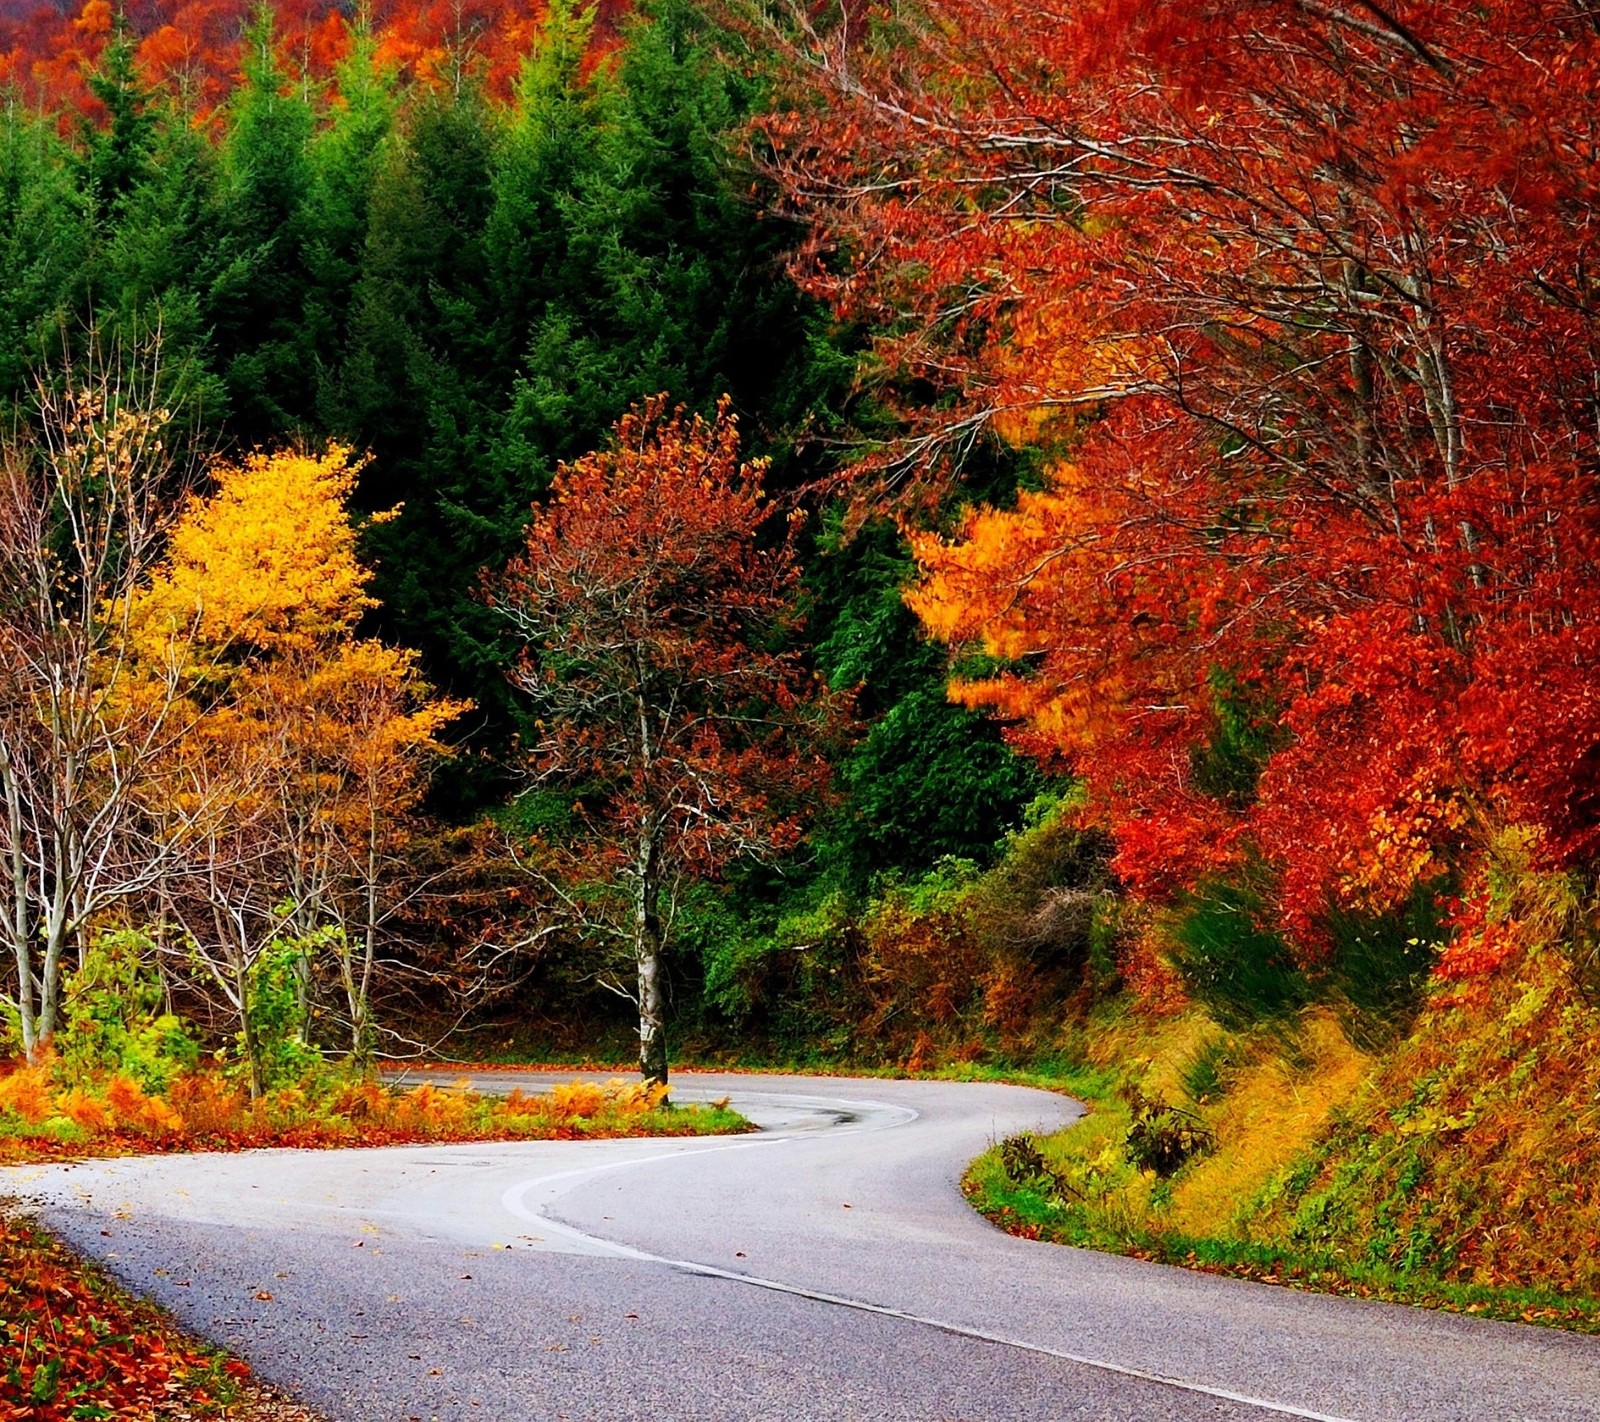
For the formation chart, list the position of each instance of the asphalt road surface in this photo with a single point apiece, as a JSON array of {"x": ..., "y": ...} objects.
[{"x": 826, "y": 1268}]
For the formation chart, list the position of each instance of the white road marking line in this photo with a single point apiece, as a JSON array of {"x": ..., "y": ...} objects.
[{"x": 515, "y": 1202}]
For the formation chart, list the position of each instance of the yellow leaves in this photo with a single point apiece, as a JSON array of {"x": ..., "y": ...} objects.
[
  {"x": 569, "y": 1101},
  {"x": 1399, "y": 848},
  {"x": 267, "y": 561},
  {"x": 576, "y": 1098},
  {"x": 293, "y": 725}
]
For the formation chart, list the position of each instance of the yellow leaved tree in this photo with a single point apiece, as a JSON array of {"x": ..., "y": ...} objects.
[{"x": 309, "y": 746}]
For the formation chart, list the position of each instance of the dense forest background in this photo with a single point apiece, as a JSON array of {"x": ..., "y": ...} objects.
[{"x": 469, "y": 279}]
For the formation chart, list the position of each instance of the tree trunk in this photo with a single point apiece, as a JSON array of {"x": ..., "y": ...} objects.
[
  {"x": 247, "y": 1030},
  {"x": 647, "y": 949},
  {"x": 19, "y": 925}
]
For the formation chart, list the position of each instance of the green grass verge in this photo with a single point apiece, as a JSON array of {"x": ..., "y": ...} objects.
[{"x": 1104, "y": 1216}]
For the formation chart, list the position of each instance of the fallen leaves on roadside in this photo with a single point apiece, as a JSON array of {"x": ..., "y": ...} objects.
[{"x": 74, "y": 1347}]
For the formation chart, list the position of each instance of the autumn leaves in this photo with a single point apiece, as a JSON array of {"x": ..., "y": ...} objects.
[
  {"x": 1307, "y": 592},
  {"x": 669, "y": 713},
  {"x": 194, "y": 733}
]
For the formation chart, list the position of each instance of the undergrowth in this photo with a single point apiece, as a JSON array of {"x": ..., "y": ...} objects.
[
  {"x": 1457, "y": 1170},
  {"x": 43, "y": 1116}
]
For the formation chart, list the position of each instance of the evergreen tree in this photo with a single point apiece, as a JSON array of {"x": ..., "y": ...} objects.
[
  {"x": 114, "y": 155},
  {"x": 501, "y": 329},
  {"x": 44, "y": 241},
  {"x": 258, "y": 302},
  {"x": 344, "y": 158},
  {"x": 155, "y": 262},
  {"x": 928, "y": 779},
  {"x": 420, "y": 389}
]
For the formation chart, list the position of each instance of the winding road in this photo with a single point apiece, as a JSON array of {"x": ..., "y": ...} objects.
[{"x": 825, "y": 1268}]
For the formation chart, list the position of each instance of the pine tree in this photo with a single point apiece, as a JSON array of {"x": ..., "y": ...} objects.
[
  {"x": 344, "y": 158},
  {"x": 44, "y": 241},
  {"x": 258, "y": 302}
]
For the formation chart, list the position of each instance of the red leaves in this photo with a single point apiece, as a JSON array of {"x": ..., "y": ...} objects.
[
  {"x": 196, "y": 43},
  {"x": 648, "y": 609},
  {"x": 72, "y": 1344},
  {"x": 1323, "y": 280}
]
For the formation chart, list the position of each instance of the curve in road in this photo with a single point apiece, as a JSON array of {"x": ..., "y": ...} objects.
[{"x": 826, "y": 1269}]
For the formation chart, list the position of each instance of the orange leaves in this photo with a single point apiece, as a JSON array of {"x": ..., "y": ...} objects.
[
  {"x": 94, "y": 18},
  {"x": 210, "y": 1105},
  {"x": 1022, "y": 583},
  {"x": 208, "y": 1110},
  {"x": 29, "y": 1094},
  {"x": 130, "y": 1106},
  {"x": 26, "y": 1092},
  {"x": 76, "y": 1348},
  {"x": 578, "y": 1099},
  {"x": 196, "y": 43},
  {"x": 83, "y": 1109}
]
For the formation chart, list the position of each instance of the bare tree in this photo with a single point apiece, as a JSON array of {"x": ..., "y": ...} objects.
[{"x": 88, "y": 486}]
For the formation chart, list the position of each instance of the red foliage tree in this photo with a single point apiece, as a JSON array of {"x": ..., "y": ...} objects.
[
  {"x": 1304, "y": 297},
  {"x": 648, "y": 609}
]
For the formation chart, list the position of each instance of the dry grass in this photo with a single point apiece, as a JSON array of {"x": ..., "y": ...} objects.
[{"x": 1275, "y": 1110}]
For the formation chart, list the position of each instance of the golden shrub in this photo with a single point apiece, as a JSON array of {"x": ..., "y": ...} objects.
[
  {"x": 78, "y": 1106},
  {"x": 572, "y": 1099},
  {"x": 26, "y": 1092}
]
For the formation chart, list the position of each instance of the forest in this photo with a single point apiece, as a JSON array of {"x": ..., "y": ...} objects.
[{"x": 947, "y": 536}]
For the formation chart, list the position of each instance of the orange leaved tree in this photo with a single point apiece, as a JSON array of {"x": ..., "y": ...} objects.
[
  {"x": 1302, "y": 299},
  {"x": 651, "y": 617},
  {"x": 310, "y": 745}
]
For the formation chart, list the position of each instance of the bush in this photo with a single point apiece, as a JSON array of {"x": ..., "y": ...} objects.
[
  {"x": 1162, "y": 1137},
  {"x": 113, "y": 1016},
  {"x": 26, "y": 1093},
  {"x": 1025, "y": 1164},
  {"x": 277, "y": 1008},
  {"x": 1381, "y": 964}
]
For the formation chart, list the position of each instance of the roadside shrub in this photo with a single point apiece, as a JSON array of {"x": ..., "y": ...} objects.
[
  {"x": 129, "y": 1106},
  {"x": 114, "y": 1019},
  {"x": 922, "y": 958},
  {"x": 277, "y": 1008},
  {"x": 575, "y": 1098},
  {"x": 1012, "y": 992},
  {"x": 208, "y": 1102},
  {"x": 798, "y": 976},
  {"x": 26, "y": 1092},
  {"x": 1162, "y": 1137},
  {"x": 1380, "y": 964},
  {"x": 1024, "y": 1163},
  {"x": 83, "y": 1109}
]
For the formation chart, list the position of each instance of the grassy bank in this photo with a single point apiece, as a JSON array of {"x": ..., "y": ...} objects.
[{"x": 1454, "y": 1167}]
